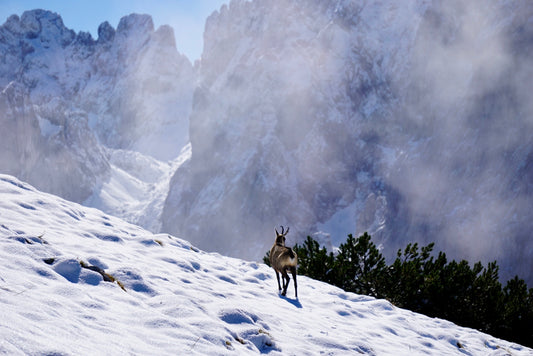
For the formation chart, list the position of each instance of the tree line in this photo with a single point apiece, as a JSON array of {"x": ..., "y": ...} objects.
[{"x": 427, "y": 283}]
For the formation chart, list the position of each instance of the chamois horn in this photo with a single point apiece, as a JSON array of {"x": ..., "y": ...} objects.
[{"x": 283, "y": 232}]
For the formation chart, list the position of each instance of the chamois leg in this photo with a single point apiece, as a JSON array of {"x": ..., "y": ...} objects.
[
  {"x": 286, "y": 280},
  {"x": 293, "y": 272},
  {"x": 277, "y": 276}
]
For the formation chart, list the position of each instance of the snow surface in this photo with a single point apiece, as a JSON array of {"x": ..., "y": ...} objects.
[{"x": 178, "y": 299}]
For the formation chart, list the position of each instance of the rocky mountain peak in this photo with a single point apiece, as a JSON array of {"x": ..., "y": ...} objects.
[
  {"x": 135, "y": 24},
  {"x": 164, "y": 35},
  {"x": 47, "y": 26},
  {"x": 77, "y": 97},
  {"x": 106, "y": 32}
]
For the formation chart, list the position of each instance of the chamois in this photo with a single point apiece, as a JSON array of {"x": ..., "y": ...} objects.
[{"x": 283, "y": 259}]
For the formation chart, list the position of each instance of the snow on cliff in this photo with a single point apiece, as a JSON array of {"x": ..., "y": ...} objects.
[
  {"x": 74, "y": 280},
  {"x": 132, "y": 83},
  {"x": 100, "y": 121},
  {"x": 68, "y": 100}
]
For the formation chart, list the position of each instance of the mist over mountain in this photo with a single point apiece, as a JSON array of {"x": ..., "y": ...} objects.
[
  {"x": 411, "y": 121},
  {"x": 46, "y": 151}
]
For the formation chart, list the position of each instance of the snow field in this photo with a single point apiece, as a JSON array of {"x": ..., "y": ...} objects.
[{"x": 176, "y": 299}]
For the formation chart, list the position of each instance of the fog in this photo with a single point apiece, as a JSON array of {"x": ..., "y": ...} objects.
[
  {"x": 413, "y": 119},
  {"x": 467, "y": 83}
]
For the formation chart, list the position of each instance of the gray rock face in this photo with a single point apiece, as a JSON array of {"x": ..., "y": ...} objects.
[
  {"x": 409, "y": 122},
  {"x": 466, "y": 180}
]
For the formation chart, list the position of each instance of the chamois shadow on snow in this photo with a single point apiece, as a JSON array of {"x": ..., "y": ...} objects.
[{"x": 295, "y": 302}]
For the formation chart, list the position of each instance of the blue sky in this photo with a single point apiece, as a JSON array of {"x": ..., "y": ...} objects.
[{"x": 187, "y": 17}]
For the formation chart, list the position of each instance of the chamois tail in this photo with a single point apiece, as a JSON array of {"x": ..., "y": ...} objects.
[{"x": 291, "y": 254}]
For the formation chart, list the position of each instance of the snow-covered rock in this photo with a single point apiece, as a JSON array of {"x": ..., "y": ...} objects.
[
  {"x": 137, "y": 188},
  {"x": 74, "y": 280},
  {"x": 140, "y": 89},
  {"x": 70, "y": 104},
  {"x": 130, "y": 89},
  {"x": 133, "y": 84}
]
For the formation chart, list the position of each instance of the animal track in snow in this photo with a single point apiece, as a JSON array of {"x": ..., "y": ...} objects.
[{"x": 248, "y": 329}]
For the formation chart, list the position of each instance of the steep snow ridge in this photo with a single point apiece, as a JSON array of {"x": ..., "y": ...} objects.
[{"x": 168, "y": 297}]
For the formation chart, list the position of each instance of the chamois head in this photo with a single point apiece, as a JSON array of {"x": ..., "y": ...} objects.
[{"x": 280, "y": 238}]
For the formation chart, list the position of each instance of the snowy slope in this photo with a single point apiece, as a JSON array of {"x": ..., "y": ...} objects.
[{"x": 175, "y": 299}]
